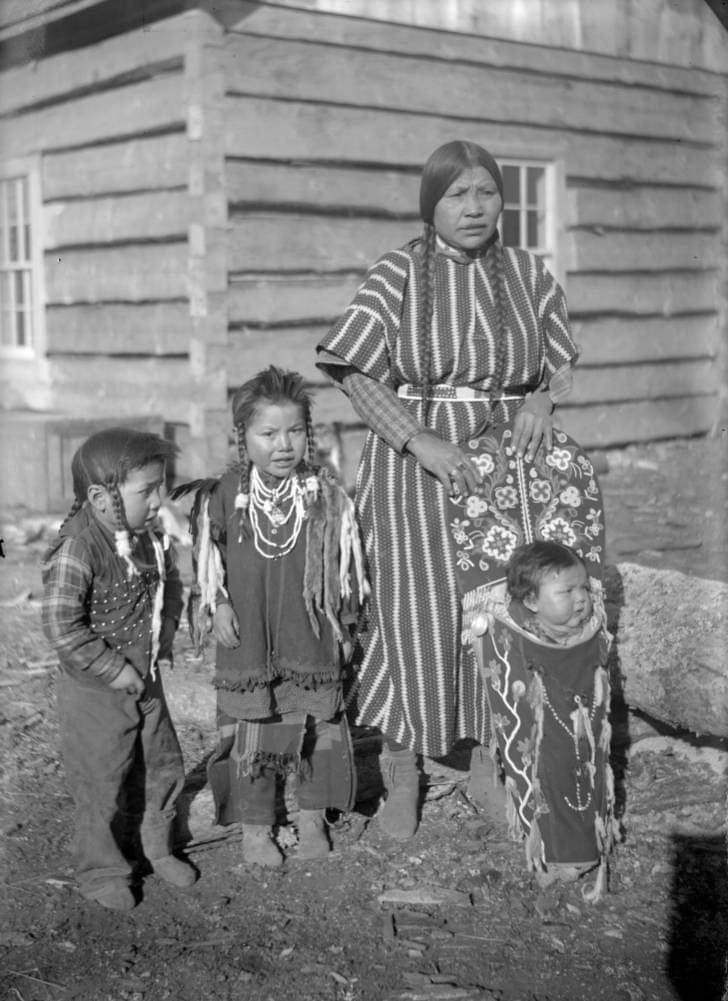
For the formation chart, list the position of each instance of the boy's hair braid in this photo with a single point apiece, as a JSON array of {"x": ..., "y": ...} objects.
[
  {"x": 495, "y": 267},
  {"x": 118, "y": 505},
  {"x": 74, "y": 509},
  {"x": 426, "y": 313}
]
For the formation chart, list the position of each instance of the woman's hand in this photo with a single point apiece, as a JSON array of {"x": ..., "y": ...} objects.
[
  {"x": 446, "y": 461},
  {"x": 225, "y": 626},
  {"x": 128, "y": 680},
  {"x": 533, "y": 425}
]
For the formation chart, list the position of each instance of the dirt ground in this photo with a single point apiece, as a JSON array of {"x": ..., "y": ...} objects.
[{"x": 451, "y": 914}]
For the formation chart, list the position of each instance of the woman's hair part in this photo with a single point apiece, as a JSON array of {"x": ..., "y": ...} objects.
[{"x": 529, "y": 565}]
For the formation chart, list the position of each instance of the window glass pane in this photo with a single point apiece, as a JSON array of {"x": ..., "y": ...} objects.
[
  {"x": 511, "y": 184},
  {"x": 535, "y": 228},
  {"x": 535, "y": 185},
  {"x": 509, "y": 224},
  {"x": 12, "y": 207}
]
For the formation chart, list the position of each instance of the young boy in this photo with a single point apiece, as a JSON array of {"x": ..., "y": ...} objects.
[{"x": 112, "y": 600}]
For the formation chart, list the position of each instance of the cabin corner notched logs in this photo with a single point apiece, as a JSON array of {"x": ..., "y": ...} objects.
[{"x": 670, "y": 653}]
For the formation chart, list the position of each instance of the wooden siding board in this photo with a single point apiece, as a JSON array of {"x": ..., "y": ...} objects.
[
  {"x": 272, "y": 22},
  {"x": 122, "y": 112},
  {"x": 650, "y": 420},
  {"x": 286, "y": 242},
  {"x": 647, "y": 339},
  {"x": 152, "y": 385},
  {"x": 324, "y": 187},
  {"x": 135, "y": 273},
  {"x": 117, "y": 328},
  {"x": 94, "y": 66},
  {"x": 666, "y": 294},
  {"x": 136, "y": 165},
  {"x": 151, "y": 216},
  {"x": 251, "y": 350},
  {"x": 651, "y": 381},
  {"x": 272, "y": 68},
  {"x": 611, "y": 250},
  {"x": 285, "y": 130},
  {"x": 291, "y": 299},
  {"x": 644, "y": 207}
]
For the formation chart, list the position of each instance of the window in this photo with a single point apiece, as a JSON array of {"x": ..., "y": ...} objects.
[
  {"x": 529, "y": 211},
  {"x": 20, "y": 260}
]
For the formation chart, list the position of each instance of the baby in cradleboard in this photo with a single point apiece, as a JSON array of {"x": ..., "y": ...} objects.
[
  {"x": 544, "y": 657},
  {"x": 549, "y": 592},
  {"x": 111, "y": 604},
  {"x": 280, "y": 570}
]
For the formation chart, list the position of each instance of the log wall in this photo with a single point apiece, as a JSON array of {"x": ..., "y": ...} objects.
[
  {"x": 328, "y": 122},
  {"x": 214, "y": 189},
  {"x": 132, "y": 175}
]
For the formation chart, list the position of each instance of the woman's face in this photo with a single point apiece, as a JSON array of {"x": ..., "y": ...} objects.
[{"x": 467, "y": 214}]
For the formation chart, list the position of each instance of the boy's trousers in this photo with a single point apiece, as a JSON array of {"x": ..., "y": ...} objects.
[{"x": 123, "y": 764}]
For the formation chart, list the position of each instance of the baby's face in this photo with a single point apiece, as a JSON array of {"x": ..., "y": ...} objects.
[{"x": 563, "y": 602}]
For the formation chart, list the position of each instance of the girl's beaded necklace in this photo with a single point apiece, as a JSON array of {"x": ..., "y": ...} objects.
[{"x": 276, "y": 514}]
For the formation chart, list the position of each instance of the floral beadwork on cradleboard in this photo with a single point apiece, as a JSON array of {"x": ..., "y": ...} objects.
[{"x": 555, "y": 497}]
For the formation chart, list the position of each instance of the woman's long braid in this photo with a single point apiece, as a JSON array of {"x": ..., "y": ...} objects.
[
  {"x": 495, "y": 268},
  {"x": 428, "y": 308}
]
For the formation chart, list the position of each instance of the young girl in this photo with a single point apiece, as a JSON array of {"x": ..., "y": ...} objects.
[
  {"x": 276, "y": 541},
  {"x": 112, "y": 600}
]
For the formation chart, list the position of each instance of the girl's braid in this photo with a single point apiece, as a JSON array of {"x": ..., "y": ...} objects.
[
  {"x": 243, "y": 481},
  {"x": 495, "y": 268},
  {"x": 428, "y": 307},
  {"x": 117, "y": 503},
  {"x": 310, "y": 440}
]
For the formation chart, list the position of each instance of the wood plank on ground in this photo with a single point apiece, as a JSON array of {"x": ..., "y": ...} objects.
[
  {"x": 161, "y": 328},
  {"x": 126, "y": 274},
  {"x": 153, "y": 215},
  {"x": 416, "y": 84},
  {"x": 144, "y": 164},
  {"x": 606, "y": 340},
  {"x": 290, "y": 129}
]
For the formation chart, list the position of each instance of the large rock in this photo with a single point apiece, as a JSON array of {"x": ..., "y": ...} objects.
[{"x": 670, "y": 654}]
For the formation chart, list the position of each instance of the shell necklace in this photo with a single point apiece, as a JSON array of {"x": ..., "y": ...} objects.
[{"x": 276, "y": 515}]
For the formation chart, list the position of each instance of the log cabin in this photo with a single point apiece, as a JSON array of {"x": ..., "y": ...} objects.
[{"x": 192, "y": 189}]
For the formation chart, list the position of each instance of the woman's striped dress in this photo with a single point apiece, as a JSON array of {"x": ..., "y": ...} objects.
[{"x": 416, "y": 682}]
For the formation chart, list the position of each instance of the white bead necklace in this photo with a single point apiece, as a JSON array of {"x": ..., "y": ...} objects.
[{"x": 271, "y": 510}]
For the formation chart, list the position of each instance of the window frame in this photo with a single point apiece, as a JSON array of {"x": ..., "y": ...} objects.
[
  {"x": 552, "y": 253},
  {"x": 30, "y": 168}
]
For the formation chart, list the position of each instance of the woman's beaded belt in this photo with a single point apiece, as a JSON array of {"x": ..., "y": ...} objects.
[{"x": 465, "y": 394}]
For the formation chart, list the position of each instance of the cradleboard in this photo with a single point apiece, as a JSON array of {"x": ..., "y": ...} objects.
[{"x": 548, "y": 703}]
